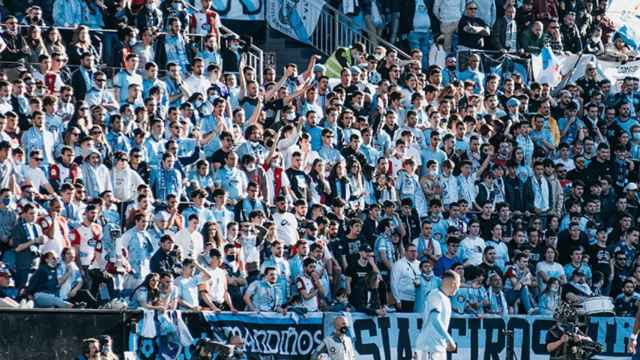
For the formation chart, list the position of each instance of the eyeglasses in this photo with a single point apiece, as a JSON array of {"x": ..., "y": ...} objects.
[
  {"x": 38, "y": 159},
  {"x": 101, "y": 80},
  {"x": 472, "y": 8},
  {"x": 123, "y": 159},
  {"x": 136, "y": 156}
]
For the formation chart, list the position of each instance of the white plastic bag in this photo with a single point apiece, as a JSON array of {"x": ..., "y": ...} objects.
[
  {"x": 148, "y": 324},
  {"x": 183, "y": 332}
]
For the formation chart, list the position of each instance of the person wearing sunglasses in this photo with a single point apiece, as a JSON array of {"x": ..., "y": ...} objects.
[{"x": 472, "y": 29}]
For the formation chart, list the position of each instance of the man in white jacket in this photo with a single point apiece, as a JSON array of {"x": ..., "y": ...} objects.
[
  {"x": 405, "y": 279},
  {"x": 449, "y": 13},
  {"x": 189, "y": 239},
  {"x": 124, "y": 179}
]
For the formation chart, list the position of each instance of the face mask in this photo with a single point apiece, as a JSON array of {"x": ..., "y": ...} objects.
[
  {"x": 230, "y": 258},
  {"x": 378, "y": 56},
  {"x": 250, "y": 167},
  {"x": 343, "y": 330},
  {"x": 291, "y": 116},
  {"x": 6, "y": 201},
  {"x": 151, "y": 6},
  {"x": 133, "y": 42},
  {"x": 197, "y": 103},
  {"x": 451, "y": 67},
  {"x": 275, "y": 164},
  {"x": 554, "y": 288},
  {"x": 432, "y": 173},
  {"x": 234, "y": 47},
  {"x": 636, "y": 136}
]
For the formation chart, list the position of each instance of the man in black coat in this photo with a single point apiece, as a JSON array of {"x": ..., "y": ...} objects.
[
  {"x": 82, "y": 79},
  {"x": 165, "y": 259},
  {"x": 231, "y": 54}
]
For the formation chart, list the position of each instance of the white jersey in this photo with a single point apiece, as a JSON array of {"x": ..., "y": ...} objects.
[{"x": 431, "y": 340}]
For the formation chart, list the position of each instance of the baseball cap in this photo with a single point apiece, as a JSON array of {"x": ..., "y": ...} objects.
[
  {"x": 631, "y": 187},
  {"x": 366, "y": 248}
]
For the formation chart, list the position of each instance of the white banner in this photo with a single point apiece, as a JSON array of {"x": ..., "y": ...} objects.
[
  {"x": 625, "y": 15},
  {"x": 249, "y": 10},
  {"x": 295, "y": 18}
]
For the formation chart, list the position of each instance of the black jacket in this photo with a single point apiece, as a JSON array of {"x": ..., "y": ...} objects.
[
  {"x": 79, "y": 85},
  {"x": 164, "y": 262},
  {"x": 514, "y": 194}
]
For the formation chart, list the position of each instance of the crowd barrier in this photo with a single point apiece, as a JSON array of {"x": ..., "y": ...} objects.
[{"x": 36, "y": 334}]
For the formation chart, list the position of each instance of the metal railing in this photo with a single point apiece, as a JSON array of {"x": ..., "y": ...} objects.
[
  {"x": 254, "y": 55},
  {"x": 335, "y": 29}
]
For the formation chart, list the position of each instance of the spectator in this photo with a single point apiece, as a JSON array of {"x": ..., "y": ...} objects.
[
  {"x": 43, "y": 285},
  {"x": 497, "y": 301},
  {"x": 428, "y": 281},
  {"x": 356, "y": 274},
  {"x": 449, "y": 258},
  {"x": 214, "y": 292},
  {"x": 472, "y": 246},
  {"x": 577, "y": 264},
  {"x": 187, "y": 284},
  {"x": 504, "y": 34},
  {"x": 626, "y": 304},
  {"x": 577, "y": 289},
  {"x": 550, "y": 297},
  {"x": 448, "y": 14},
  {"x": 472, "y": 30},
  {"x": 262, "y": 295},
  {"x": 405, "y": 279},
  {"x": 549, "y": 268},
  {"x": 519, "y": 280},
  {"x": 531, "y": 40},
  {"x": 310, "y": 286},
  {"x": 165, "y": 260}
]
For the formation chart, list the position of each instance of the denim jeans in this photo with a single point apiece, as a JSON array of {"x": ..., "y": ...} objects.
[
  {"x": 46, "y": 300},
  {"x": 422, "y": 41},
  {"x": 522, "y": 294}
]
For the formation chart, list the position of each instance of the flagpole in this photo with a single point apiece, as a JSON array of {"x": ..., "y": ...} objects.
[{"x": 568, "y": 77}]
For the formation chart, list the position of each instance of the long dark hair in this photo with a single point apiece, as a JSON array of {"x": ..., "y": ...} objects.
[
  {"x": 152, "y": 294},
  {"x": 217, "y": 240}
]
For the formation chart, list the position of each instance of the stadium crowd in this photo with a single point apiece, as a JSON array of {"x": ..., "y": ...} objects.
[{"x": 188, "y": 183}]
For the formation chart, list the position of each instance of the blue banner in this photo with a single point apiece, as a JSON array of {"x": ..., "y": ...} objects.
[
  {"x": 288, "y": 336},
  {"x": 393, "y": 337}
]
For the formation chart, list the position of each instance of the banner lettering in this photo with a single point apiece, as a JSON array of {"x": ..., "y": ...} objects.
[{"x": 393, "y": 337}]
